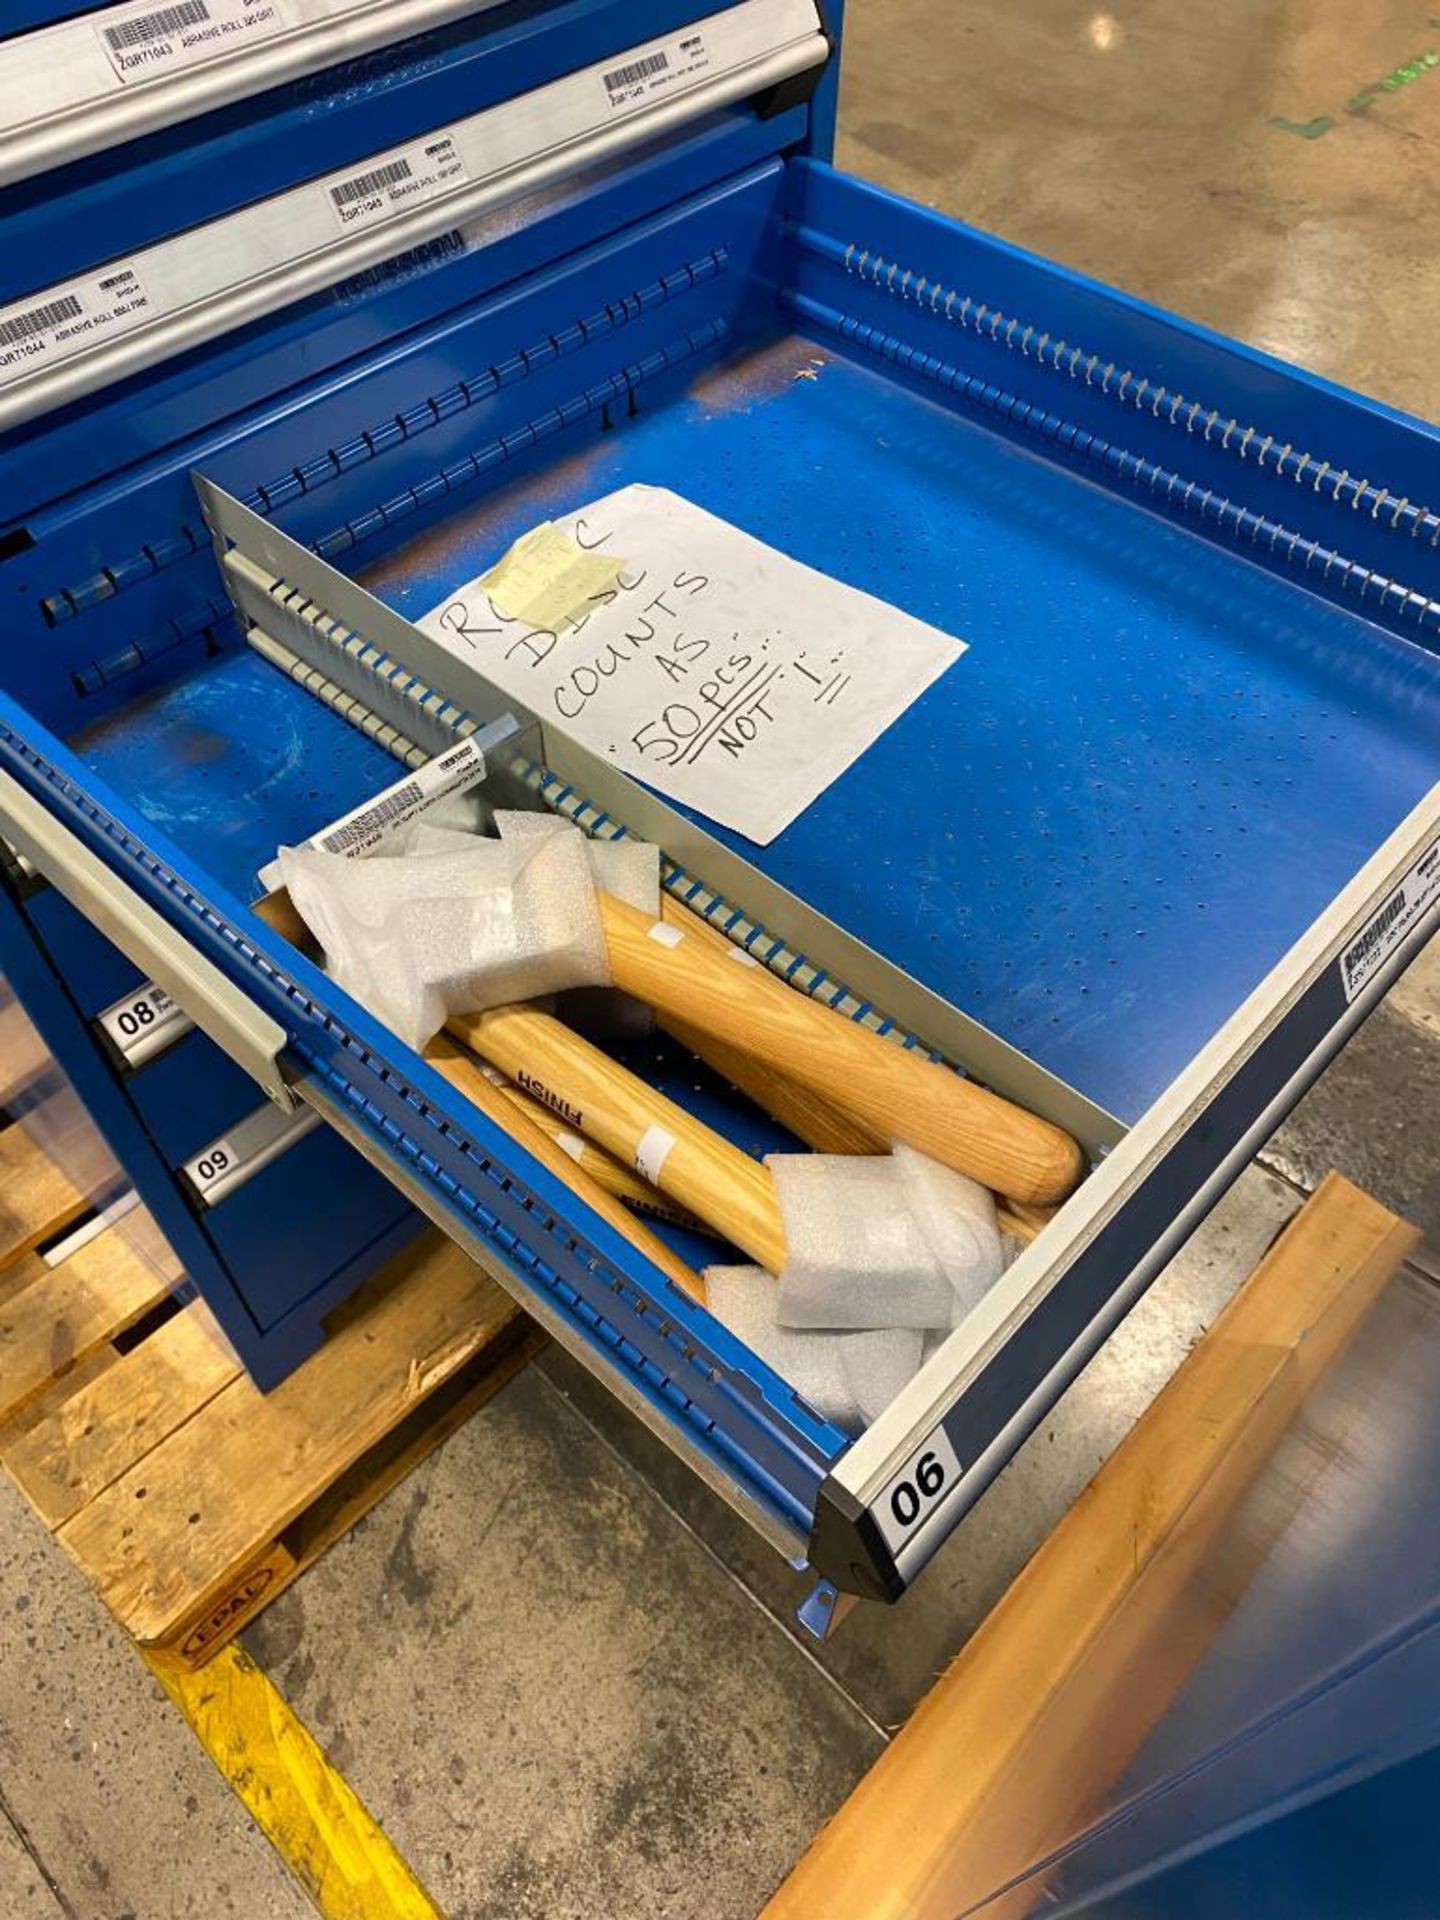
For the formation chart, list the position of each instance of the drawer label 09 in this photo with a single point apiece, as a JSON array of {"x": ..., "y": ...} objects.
[
  {"x": 143, "y": 1024},
  {"x": 1388, "y": 926},
  {"x": 394, "y": 181},
  {"x": 49, "y": 327},
  {"x": 147, "y": 39},
  {"x": 249, "y": 1146},
  {"x": 910, "y": 1497}
]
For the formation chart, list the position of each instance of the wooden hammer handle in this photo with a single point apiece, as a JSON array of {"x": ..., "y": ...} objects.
[
  {"x": 818, "y": 1123},
  {"x": 602, "y": 1167},
  {"x": 468, "y": 1077},
  {"x": 894, "y": 1092},
  {"x": 666, "y": 1145}
]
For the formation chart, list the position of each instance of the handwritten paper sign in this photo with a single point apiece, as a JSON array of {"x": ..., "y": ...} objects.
[{"x": 723, "y": 674}]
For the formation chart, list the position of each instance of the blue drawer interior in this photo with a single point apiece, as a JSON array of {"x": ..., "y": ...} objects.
[
  {"x": 1151, "y": 752},
  {"x": 1155, "y": 766}
]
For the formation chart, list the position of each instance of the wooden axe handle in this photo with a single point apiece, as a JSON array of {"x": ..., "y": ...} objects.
[
  {"x": 666, "y": 1145},
  {"x": 894, "y": 1092},
  {"x": 468, "y": 1077}
]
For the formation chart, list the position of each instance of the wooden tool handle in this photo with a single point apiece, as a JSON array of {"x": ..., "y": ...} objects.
[
  {"x": 468, "y": 1077},
  {"x": 894, "y": 1092},
  {"x": 818, "y": 1123},
  {"x": 667, "y": 1146},
  {"x": 603, "y": 1168}
]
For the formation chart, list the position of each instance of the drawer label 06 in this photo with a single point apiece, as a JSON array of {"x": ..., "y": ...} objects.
[
  {"x": 1389, "y": 925},
  {"x": 148, "y": 39},
  {"x": 394, "y": 181},
  {"x": 912, "y": 1495},
  {"x": 49, "y": 327}
]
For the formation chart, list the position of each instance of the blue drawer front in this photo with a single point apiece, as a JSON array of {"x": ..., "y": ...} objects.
[
  {"x": 189, "y": 1094},
  {"x": 301, "y": 1220}
]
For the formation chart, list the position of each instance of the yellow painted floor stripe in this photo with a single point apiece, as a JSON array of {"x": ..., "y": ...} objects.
[{"x": 309, "y": 1813}]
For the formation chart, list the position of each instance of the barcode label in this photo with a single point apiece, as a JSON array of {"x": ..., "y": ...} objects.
[
  {"x": 360, "y": 832},
  {"x": 1389, "y": 925},
  {"x": 640, "y": 79},
  {"x": 403, "y": 179},
  {"x": 364, "y": 183},
  {"x": 637, "y": 70},
  {"x": 156, "y": 26},
  {"x": 39, "y": 318},
  {"x": 140, "y": 42},
  {"x": 143, "y": 1024},
  {"x": 38, "y": 333},
  {"x": 372, "y": 824}
]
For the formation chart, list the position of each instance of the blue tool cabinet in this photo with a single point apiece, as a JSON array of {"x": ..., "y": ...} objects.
[{"x": 1141, "y": 860}]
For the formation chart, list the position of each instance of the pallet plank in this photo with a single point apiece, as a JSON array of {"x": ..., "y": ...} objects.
[
  {"x": 99, "y": 1432},
  {"x": 1014, "y": 1750},
  {"x": 207, "y": 1626},
  {"x": 37, "y": 1198},
  {"x": 60, "y": 1314},
  {"x": 25, "y": 1059},
  {"x": 174, "y": 1528}
]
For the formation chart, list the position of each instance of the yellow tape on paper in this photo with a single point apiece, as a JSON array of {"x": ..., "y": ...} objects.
[{"x": 549, "y": 580}]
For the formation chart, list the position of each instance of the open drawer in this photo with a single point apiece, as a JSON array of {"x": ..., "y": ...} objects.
[{"x": 1140, "y": 861}]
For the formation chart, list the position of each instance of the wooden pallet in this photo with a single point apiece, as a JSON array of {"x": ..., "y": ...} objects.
[
  {"x": 1016, "y": 1748},
  {"x": 37, "y": 1200},
  {"x": 25, "y": 1063},
  {"x": 189, "y": 1499}
]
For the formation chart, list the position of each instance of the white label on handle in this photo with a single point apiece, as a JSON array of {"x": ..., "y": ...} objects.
[
  {"x": 208, "y": 1169},
  {"x": 663, "y": 934},
  {"x": 406, "y": 177},
  {"x": 1388, "y": 926},
  {"x": 652, "y": 1153},
  {"x": 41, "y": 330},
  {"x": 144, "y": 40},
  {"x": 637, "y": 82},
  {"x": 913, "y": 1494},
  {"x": 360, "y": 832},
  {"x": 144, "y": 1023}
]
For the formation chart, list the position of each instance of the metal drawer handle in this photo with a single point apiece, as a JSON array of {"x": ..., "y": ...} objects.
[{"x": 217, "y": 1006}]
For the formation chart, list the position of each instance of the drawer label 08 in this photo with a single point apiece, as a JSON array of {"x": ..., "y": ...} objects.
[
  {"x": 144, "y": 40},
  {"x": 909, "y": 1498},
  {"x": 1388, "y": 926},
  {"x": 143, "y": 1024}
]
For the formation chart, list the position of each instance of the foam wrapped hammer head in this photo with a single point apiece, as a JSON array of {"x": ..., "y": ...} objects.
[
  {"x": 889, "y": 1240},
  {"x": 850, "y": 1378},
  {"x": 855, "y": 1252},
  {"x": 442, "y": 922}
]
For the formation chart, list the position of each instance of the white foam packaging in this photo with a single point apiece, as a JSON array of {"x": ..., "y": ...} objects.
[
  {"x": 444, "y": 922},
  {"x": 848, "y": 1377},
  {"x": 881, "y": 1241}
]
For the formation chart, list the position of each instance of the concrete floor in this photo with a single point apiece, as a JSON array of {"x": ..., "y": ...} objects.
[{"x": 547, "y": 1724}]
